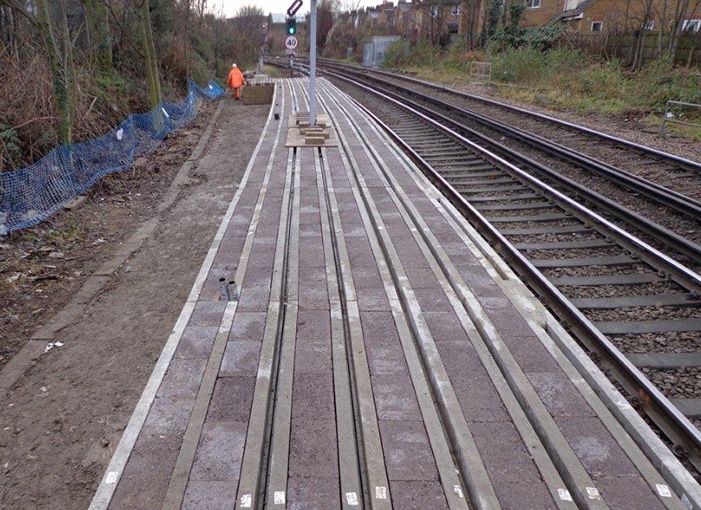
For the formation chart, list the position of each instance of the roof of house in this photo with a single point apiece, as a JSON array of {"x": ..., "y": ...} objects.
[{"x": 575, "y": 13}]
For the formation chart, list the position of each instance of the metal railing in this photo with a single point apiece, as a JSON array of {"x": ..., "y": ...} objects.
[
  {"x": 481, "y": 71},
  {"x": 669, "y": 116}
]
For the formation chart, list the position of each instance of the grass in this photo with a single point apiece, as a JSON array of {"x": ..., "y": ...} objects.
[{"x": 561, "y": 79}]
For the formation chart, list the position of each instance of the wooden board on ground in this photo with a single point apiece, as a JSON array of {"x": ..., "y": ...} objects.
[
  {"x": 258, "y": 93},
  {"x": 300, "y": 134}
]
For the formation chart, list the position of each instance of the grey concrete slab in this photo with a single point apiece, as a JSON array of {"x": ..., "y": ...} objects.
[
  {"x": 182, "y": 379},
  {"x": 169, "y": 415},
  {"x": 524, "y": 496},
  {"x": 313, "y": 449},
  {"x": 417, "y": 495},
  {"x": 305, "y": 493},
  {"x": 196, "y": 342},
  {"x": 628, "y": 493},
  {"x": 395, "y": 398},
  {"x": 248, "y": 326},
  {"x": 433, "y": 299},
  {"x": 313, "y": 325},
  {"x": 206, "y": 495},
  {"x": 312, "y": 396},
  {"x": 313, "y": 295},
  {"x": 312, "y": 356},
  {"x": 559, "y": 395},
  {"x": 372, "y": 300},
  {"x": 445, "y": 326},
  {"x": 386, "y": 360},
  {"x": 231, "y": 399},
  {"x": 379, "y": 328},
  {"x": 145, "y": 478},
  {"x": 255, "y": 297},
  {"x": 407, "y": 451},
  {"x": 530, "y": 354},
  {"x": 207, "y": 313},
  {"x": 504, "y": 455},
  {"x": 597, "y": 450},
  {"x": 219, "y": 452},
  {"x": 240, "y": 359}
]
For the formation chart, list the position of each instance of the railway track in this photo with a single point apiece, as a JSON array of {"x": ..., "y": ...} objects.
[
  {"x": 666, "y": 218},
  {"x": 638, "y": 309},
  {"x": 679, "y": 174}
]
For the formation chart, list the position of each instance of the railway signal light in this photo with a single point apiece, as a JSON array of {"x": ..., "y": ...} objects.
[{"x": 291, "y": 26}]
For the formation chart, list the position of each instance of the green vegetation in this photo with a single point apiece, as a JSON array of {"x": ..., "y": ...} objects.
[
  {"x": 72, "y": 69},
  {"x": 561, "y": 78}
]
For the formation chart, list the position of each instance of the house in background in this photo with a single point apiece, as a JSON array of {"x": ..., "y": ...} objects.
[{"x": 599, "y": 16}]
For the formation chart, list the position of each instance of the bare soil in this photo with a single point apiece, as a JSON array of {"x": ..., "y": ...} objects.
[{"x": 61, "y": 421}]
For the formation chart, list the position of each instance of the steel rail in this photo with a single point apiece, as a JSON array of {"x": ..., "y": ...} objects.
[
  {"x": 663, "y": 413},
  {"x": 684, "y": 162},
  {"x": 653, "y": 191},
  {"x": 668, "y": 237}
]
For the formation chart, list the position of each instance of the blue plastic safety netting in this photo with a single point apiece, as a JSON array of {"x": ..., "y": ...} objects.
[{"x": 32, "y": 194}]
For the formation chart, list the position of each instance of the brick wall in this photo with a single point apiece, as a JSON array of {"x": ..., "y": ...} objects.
[{"x": 536, "y": 17}]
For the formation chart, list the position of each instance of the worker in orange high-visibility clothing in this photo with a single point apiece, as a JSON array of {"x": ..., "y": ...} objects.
[{"x": 235, "y": 81}]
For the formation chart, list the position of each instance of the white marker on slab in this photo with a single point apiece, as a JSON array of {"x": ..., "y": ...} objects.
[
  {"x": 593, "y": 493},
  {"x": 564, "y": 494},
  {"x": 663, "y": 490},
  {"x": 352, "y": 498}
]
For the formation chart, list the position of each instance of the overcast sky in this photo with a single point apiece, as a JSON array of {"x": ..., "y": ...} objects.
[{"x": 275, "y": 6}]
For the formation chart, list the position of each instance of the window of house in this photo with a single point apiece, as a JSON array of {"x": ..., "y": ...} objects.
[
  {"x": 434, "y": 11},
  {"x": 456, "y": 10},
  {"x": 596, "y": 26},
  {"x": 691, "y": 25},
  {"x": 649, "y": 25},
  {"x": 533, "y": 4}
]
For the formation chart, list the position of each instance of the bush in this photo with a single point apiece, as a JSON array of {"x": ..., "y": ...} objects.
[
  {"x": 398, "y": 54},
  {"x": 525, "y": 65}
]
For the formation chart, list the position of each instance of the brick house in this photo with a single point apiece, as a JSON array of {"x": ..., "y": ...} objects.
[{"x": 595, "y": 16}]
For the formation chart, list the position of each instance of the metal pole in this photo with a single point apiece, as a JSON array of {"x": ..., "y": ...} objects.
[{"x": 312, "y": 63}]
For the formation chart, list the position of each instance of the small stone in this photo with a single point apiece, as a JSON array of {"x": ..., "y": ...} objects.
[
  {"x": 56, "y": 255},
  {"x": 105, "y": 442}
]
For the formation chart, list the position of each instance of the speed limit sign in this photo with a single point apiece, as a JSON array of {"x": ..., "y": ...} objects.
[{"x": 291, "y": 43}]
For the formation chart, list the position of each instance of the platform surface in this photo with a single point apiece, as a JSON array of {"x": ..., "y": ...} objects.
[{"x": 346, "y": 345}]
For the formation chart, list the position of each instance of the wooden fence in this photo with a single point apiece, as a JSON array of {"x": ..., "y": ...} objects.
[{"x": 622, "y": 46}]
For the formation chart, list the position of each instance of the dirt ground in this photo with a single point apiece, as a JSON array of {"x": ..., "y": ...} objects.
[{"x": 62, "y": 420}]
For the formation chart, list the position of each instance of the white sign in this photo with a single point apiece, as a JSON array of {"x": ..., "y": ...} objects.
[{"x": 291, "y": 42}]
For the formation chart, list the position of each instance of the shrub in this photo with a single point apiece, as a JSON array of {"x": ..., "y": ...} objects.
[
  {"x": 398, "y": 54},
  {"x": 525, "y": 65}
]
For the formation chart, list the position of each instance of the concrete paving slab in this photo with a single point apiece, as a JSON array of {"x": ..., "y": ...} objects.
[{"x": 218, "y": 456}]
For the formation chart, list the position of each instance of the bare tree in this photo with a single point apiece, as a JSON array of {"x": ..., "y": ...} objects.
[
  {"x": 59, "y": 49},
  {"x": 153, "y": 78},
  {"x": 98, "y": 23},
  {"x": 640, "y": 39}
]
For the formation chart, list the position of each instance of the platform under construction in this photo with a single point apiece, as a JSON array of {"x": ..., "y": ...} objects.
[{"x": 351, "y": 341}]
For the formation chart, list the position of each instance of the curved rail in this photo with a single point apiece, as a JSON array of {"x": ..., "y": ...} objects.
[{"x": 687, "y": 163}]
